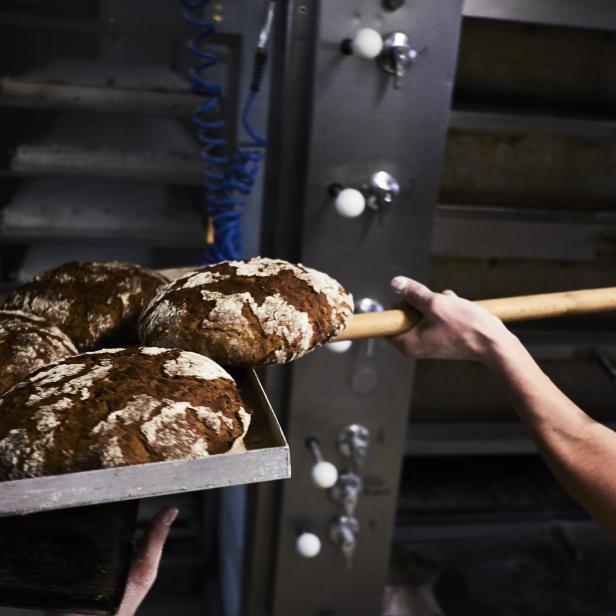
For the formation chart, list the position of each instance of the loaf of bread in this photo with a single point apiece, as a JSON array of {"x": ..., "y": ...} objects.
[
  {"x": 95, "y": 304},
  {"x": 116, "y": 407},
  {"x": 248, "y": 313},
  {"x": 28, "y": 342}
]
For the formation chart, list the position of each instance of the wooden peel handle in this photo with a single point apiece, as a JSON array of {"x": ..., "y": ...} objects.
[{"x": 522, "y": 308}]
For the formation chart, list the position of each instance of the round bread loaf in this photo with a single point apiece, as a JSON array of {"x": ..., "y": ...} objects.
[
  {"x": 94, "y": 304},
  {"x": 116, "y": 407},
  {"x": 248, "y": 313},
  {"x": 28, "y": 342}
]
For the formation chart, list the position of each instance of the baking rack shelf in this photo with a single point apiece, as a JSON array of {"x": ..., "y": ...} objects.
[{"x": 266, "y": 458}]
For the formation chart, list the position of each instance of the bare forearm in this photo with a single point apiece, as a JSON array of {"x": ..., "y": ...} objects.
[{"x": 580, "y": 451}]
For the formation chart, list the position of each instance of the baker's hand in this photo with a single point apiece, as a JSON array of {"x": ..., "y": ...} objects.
[
  {"x": 144, "y": 567},
  {"x": 451, "y": 328}
]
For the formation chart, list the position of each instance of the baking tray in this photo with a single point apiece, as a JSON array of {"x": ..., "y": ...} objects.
[{"x": 266, "y": 457}]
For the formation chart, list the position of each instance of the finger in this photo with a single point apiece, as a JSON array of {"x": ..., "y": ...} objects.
[
  {"x": 449, "y": 293},
  {"x": 417, "y": 294},
  {"x": 408, "y": 343},
  {"x": 144, "y": 567}
]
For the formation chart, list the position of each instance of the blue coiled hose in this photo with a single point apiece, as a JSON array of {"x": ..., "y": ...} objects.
[{"x": 227, "y": 178}]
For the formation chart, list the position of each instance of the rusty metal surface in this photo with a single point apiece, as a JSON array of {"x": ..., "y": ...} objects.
[
  {"x": 528, "y": 65},
  {"x": 491, "y": 278},
  {"x": 504, "y": 121},
  {"x": 468, "y": 392},
  {"x": 598, "y": 14},
  {"x": 530, "y": 169},
  {"x": 266, "y": 458},
  {"x": 495, "y": 232}
]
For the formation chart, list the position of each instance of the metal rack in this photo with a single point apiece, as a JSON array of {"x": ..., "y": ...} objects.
[
  {"x": 109, "y": 156},
  {"x": 527, "y": 203},
  {"x": 98, "y": 162},
  {"x": 86, "y": 85}
]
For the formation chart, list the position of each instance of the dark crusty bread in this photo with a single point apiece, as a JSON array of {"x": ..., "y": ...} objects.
[
  {"x": 94, "y": 304},
  {"x": 247, "y": 313},
  {"x": 28, "y": 342},
  {"x": 116, "y": 407}
]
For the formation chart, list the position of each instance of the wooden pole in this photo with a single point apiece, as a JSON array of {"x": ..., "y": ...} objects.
[{"x": 509, "y": 309}]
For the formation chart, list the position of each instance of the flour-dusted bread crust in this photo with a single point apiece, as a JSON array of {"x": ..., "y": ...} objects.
[
  {"x": 116, "y": 407},
  {"x": 28, "y": 342},
  {"x": 248, "y": 313},
  {"x": 94, "y": 304}
]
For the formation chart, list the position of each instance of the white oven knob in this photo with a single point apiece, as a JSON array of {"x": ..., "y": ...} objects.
[
  {"x": 340, "y": 346},
  {"x": 324, "y": 475},
  {"x": 367, "y": 43},
  {"x": 308, "y": 545},
  {"x": 350, "y": 203}
]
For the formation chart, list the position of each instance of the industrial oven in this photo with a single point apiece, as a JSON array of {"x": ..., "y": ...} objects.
[
  {"x": 465, "y": 143},
  {"x": 453, "y": 511}
]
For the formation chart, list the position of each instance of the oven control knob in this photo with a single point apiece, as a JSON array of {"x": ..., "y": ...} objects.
[
  {"x": 369, "y": 304},
  {"x": 324, "y": 474},
  {"x": 353, "y": 443},
  {"x": 367, "y": 44},
  {"x": 339, "y": 346},
  {"x": 308, "y": 545},
  {"x": 383, "y": 189},
  {"x": 350, "y": 203},
  {"x": 378, "y": 193},
  {"x": 397, "y": 56}
]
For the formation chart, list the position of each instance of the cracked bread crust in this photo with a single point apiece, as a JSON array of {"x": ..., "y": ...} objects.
[
  {"x": 28, "y": 342},
  {"x": 248, "y": 313},
  {"x": 116, "y": 407},
  {"x": 94, "y": 304}
]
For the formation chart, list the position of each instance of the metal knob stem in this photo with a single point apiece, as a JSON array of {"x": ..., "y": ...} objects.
[
  {"x": 382, "y": 190},
  {"x": 378, "y": 193},
  {"x": 343, "y": 532},
  {"x": 396, "y": 56},
  {"x": 353, "y": 443},
  {"x": 324, "y": 474}
]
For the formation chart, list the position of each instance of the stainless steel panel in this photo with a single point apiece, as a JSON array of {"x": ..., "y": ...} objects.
[
  {"x": 165, "y": 167},
  {"x": 110, "y": 27},
  {"x": 102, "y": 87},
  {"x": 39, "y": 94},
  {"x": 137, "y": 148},
  {"x": 105, "y": 75},
  {"x": 359, "y": 124},
  {"x": 266, "y": 458},
  {"x": 110, "y": 211}
]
